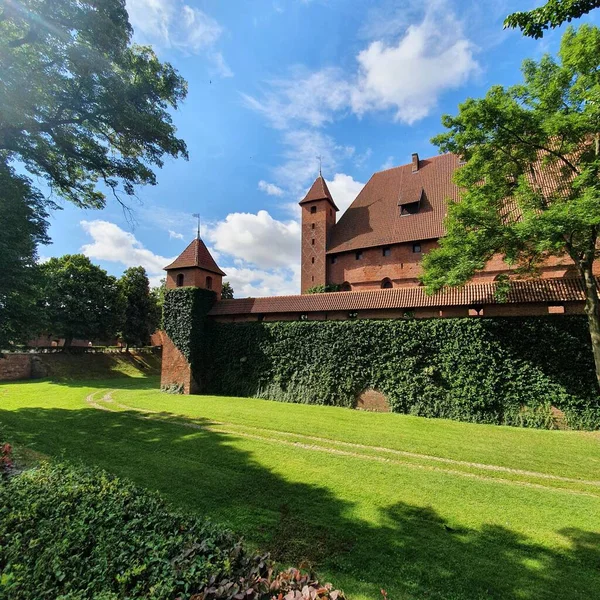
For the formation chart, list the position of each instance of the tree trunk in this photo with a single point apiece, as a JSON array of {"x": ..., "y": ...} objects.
[
  {"x": 68, "y": 341},
  {"x": 592, "y": 310}
]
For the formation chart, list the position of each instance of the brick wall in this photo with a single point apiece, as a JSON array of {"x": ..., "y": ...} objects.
[
  {"x": 315, "y": 232},
  {"x": 15, "y": 366},
  {"x": 196, "y": 277},
  {"x": 175, "y": 368}
]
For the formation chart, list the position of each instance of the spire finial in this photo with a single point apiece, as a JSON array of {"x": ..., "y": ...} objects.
[
  {"x": 197, "y": 215},
  {"x": 320, "y": 159}
]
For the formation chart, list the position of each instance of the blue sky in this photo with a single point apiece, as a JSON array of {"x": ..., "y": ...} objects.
[{"x": 272, "y": 85}]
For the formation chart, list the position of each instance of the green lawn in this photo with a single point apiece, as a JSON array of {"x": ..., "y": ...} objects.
[{"x": 421, "y": 507}]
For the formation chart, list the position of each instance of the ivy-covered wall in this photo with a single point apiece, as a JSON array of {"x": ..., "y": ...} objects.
[{"x": 503, "y": 370}]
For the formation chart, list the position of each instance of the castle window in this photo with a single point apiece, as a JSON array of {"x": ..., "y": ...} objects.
[
  {"x": 312, "y": 260},
  {"x": 386, "y": 284},
  {"x": 209, "y": 283},
  {"x": 313, "y": 209},
  {"x": 387, "y": 251},
  {"x": 180, "y": 280},
  {"x": 313, "y": 241},
  {"x": 359, "y": 254},
  {"x": 304, "y": 317},
  {"x": 417, "y": 247},
  {"x": 312, "y": 226},
  {"x": 346, "y": 287},
  {"x": 333, "y": 260}
]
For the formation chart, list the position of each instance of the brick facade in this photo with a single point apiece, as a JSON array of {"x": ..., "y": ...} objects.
[
  {"x": 195, "y": 277},
  {"x": 175, "y": 369},
  {"x": 318, "y": 218},
  {"x": 15, "y": 366}
]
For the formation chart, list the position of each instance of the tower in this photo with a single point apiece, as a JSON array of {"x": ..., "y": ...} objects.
[
  {"x": 195, "y": 267},
  {"x": 318, "y": 218}
]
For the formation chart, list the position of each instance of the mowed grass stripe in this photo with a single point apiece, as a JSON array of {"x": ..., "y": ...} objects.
[{"x": 373, "y": 453}]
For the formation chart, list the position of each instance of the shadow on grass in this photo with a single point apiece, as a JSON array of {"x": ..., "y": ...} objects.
[{"x": 413, "y": 553}]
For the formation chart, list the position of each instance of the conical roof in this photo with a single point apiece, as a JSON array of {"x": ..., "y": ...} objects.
[
  {"x": 195, "y": 255},
  {"x": 319, "y": 191}
]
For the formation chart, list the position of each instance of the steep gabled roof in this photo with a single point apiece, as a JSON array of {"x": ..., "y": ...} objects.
[
  {"x": 319, "y": 191},
  {"x": 523, "y": 291},
  {"x": 374, "y": 218},
  {"x": 195, "y": 255}
]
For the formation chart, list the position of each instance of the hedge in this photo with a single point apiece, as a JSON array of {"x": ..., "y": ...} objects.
[
  {"x": 505, "y": 371},
  {"x": 509, "y": 371},
  {"x": 79, "y": 533}
]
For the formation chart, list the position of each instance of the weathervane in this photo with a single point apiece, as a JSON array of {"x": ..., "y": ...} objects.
[
  {"x": 320, "y": 158},
  {"x": 197, "y": 215}
]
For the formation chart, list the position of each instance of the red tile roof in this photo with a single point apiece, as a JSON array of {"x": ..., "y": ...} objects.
[
  {"x": 319, "y": 191},
  {"x": 374, "y": 219},
  {"x": 538, "y": 290},
  {"x": 195, "y": 255}
]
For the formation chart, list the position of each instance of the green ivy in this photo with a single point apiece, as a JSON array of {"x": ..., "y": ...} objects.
[{"x": 504, "y": 371}]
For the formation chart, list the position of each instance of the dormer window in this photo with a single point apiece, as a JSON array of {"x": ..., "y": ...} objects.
[{"x": 410, "y": 202}]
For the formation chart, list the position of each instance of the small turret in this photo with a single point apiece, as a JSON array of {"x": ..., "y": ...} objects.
[{"x": 195, "y": 267}]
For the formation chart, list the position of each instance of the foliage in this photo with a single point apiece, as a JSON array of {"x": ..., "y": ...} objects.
[
  {"x": 79, "y": 533},
  {"x": 141, "y": 314},
  {"x": 78, "y": 103},
  {"x": 80, "y": 299},
  {"x": 505, "y": 371},
  {"x": 158, "y": 298},
  {"x": 5, "y": 457},
  {"x": 554, "y": 13},
  {"x": 184, "y": 316},
  {"x": 531, "y": 185},
  {"x": 322, "y": 289},
  {"x": 226, "y": 291},
  {"x": 23, "y": 225}
]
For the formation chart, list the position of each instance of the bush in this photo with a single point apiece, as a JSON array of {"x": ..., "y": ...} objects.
[
  {"x": 6, "y": 463},
  {"x": 75, "y": 533},
  {"x": 506, "y": 371}
]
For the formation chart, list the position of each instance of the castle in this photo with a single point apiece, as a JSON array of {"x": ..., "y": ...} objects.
[{"x": 373, "y": 255}]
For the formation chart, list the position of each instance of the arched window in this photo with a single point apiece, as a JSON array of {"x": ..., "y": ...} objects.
[
  {"x": 209, "y": 283},
  {"x": 346, "y": 287},
  {"x": 180, "y": 280},
  {"x": 386, "y": 284},
  {"x": 313, "y": 209}
]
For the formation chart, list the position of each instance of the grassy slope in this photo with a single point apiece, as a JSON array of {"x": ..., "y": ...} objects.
[{"x": 416, "y": 526}]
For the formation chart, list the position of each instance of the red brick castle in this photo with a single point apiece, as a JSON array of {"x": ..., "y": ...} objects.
[{"x": 373, "y": 253}]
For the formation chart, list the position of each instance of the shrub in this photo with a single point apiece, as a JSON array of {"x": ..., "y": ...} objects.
[
  {"x": 506, "y": 371},
  {"x": 5, "y": 458},
  {"x": 77, "y": 533}
]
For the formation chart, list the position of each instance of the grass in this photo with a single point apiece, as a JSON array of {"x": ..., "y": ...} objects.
[{"x": 421, "y": 507}]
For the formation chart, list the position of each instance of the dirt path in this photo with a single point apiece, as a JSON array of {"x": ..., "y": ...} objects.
[{"x": 283, "y": 438}]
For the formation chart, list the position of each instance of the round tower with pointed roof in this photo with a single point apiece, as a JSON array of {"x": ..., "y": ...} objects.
[
  {"x": 195, "y": 267},
  {"x": 318, "y": 219}
]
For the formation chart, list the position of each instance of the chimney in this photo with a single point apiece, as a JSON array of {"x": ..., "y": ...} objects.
[{"x": 415, "y": 162}]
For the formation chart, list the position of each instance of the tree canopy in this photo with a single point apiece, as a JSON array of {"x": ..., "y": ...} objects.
[
  {"x": 79, "y": 104},
  {"x": 23, "y": 226},
  {"x": 530, "y": 185},
  {"x": 80, "y": 299},
  {"x": 554, "y": 13},
  {"x": 141, "y": 311},
  {"x": 226, "y": 291}
]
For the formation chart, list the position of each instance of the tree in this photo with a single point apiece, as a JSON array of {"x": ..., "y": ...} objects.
[
  {"x": 158, "y": 300},
  {"x": 80, "y": 105},
  {"x": 23, "y": 226},
  {"x": 554, "y": 13},
  {"x": 531, "y": 186},
  {"x": 226, "y": 291},
  {"x": 81, "y": 300},
  {"x": 141, "y": 315},
  {"x": 323, "y": 289}
]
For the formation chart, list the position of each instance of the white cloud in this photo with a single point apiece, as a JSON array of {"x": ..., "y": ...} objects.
[
  {"x": 344, "y": 190},
  {"x": 257, "y": 239},
  {"x": 310, "y": 98},
  {"x": 174, "y": 24},
  {"x": 270, "y": 188},
  {"x": 251, "y": 282},
  {"x": 113, "y": 244},
  {"x": 406, "y": 75},
  {"x": 173, "y": 235}
]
